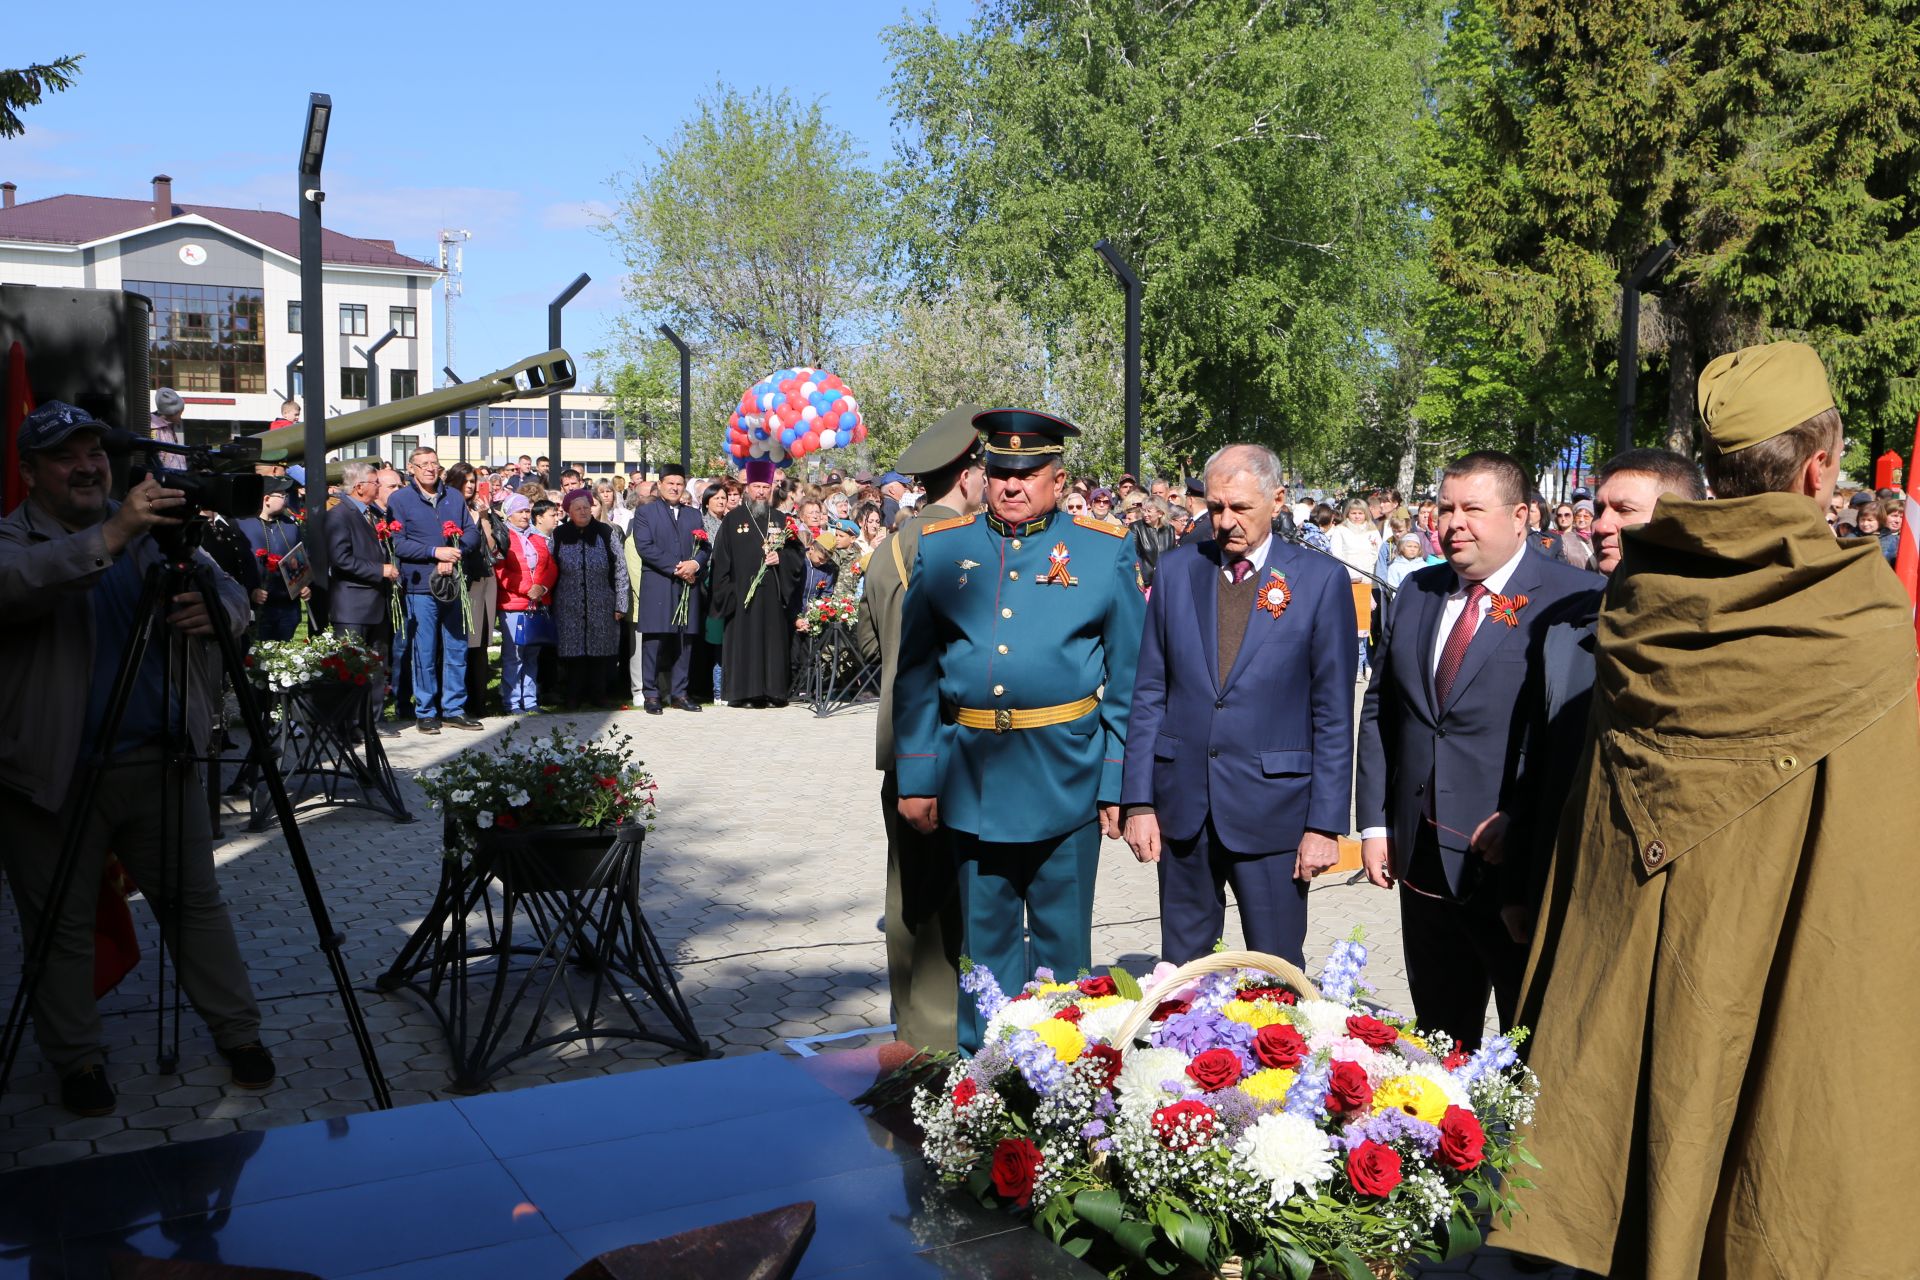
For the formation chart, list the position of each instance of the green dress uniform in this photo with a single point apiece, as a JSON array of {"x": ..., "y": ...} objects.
[{"x": 1017, "y": 653}]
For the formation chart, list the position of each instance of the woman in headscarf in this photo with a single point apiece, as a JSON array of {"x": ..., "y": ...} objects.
[
  {"x": 1576, "y": 539},
  {"x": 526, "y": 577},
  {"x": 714, "y": 503},
  {"x": 589, "y": 600}
]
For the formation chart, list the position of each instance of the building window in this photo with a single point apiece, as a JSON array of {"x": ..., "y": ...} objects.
[
  {"x": 299, "y": 387},
  {"x": 353, "y": 384},
  {"x": 403, "y": 447},
  {"x": 404, "y": 321},
  {"x": 402, "y": 383},
  {"x": 293, "y": 315},
  {"x": 353, "y": 319},
  {"x": 207, "y": 338},
  {"x": 517, "y": 422}
]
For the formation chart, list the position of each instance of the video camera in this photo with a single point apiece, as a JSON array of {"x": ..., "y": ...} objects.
[{"x": 220, "y": 480}]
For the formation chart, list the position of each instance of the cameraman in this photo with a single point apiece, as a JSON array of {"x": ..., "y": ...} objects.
[{"x": 72, "y": 564}]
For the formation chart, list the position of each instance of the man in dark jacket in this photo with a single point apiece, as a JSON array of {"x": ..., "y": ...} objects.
[
  {"x": 436, "y": 635},
  {"x": 362, "y": 577},
  {"x": 273, "y": 535},
  {"x": 671, "y": 542}
]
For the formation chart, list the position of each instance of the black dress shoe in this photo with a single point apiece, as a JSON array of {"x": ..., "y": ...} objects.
[
  {"x": 685, "y": 704},
  {"x": 427, "y": 726},
  {"x": 86, "y": 1092},
  {"x": 251, "y": 1064},
  {"x": 463, "y": 722},
  {"x": 652, "y": 708}
]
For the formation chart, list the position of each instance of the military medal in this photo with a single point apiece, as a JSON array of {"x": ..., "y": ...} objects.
[
  {"x": 1276, "y": 595},
  {"x": 965, "y": 567},
  {"x": 1506, "y": 609},
  {"x": 1057, "y": 566}
]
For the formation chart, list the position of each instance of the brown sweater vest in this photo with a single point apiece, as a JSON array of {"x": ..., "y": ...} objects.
[{"x": 1236, "y": 607}]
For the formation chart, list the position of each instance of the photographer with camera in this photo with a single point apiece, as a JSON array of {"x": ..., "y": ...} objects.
[
  {"x": 72, "y": 567},
  {"x": 273, "y": 534}
]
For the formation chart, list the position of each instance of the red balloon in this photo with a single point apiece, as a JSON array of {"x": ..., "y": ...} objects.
[{"x": 859, "y": 432}]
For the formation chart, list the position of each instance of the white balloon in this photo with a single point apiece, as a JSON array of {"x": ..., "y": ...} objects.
[
  {"x": 808, "y": 388},
  {"x": 850, "y": 403},
  {"x": 809, "y": 413}
]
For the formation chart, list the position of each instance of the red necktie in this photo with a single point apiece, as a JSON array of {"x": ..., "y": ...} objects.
[
  {"x": 1240, "y": 570},
  {"x": 1455, "y": 650}
]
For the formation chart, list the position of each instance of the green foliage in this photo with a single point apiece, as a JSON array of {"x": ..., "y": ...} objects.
[
  {"x": 1254, "y": 162},
  {"x": 26, "y": 86},
  {"x": 644, "y": 393}
]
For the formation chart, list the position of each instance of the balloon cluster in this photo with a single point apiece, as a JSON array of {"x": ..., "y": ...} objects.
[{"x": 791, "y": 413}]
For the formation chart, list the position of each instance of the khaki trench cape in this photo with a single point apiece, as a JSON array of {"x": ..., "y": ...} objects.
[{"x": 1728, "y": 1041}]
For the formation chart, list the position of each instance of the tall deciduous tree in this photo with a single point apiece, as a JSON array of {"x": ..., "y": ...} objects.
[
  {"x": 1776, "y": 143},
  {"x": 1254, "y": 160}
]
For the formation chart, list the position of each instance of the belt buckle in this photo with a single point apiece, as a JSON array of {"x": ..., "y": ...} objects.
[{"x": 1002, "y": 719}]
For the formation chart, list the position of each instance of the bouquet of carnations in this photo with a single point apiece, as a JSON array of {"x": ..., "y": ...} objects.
[
  {"x": 557, "y": 779},
  {"x": 450, "y": 530},
  {"x": 384, "y": 531},
  {"x": 281, "y": 666},
  {"x": 1228, "y": 1122},
  {"x": 827, "y": 610},
  {"x": 777, "y": 537},
  {"x": 681, "y": 605}
]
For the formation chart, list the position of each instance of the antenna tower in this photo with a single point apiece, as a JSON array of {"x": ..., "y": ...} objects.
[{"x": 452, "y": 262}]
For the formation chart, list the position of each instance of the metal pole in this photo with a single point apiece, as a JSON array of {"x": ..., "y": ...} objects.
[
  {"x": 553, "y": 401},
  {"x": 1650, "y": 265},
  {"x": 458, "y": 422},
  {"x": 313, "y": 150},
  {"x": 686, "y": 395},
  {"x": 373, "y": 365},
  {"x": 1130, "y": 282}
]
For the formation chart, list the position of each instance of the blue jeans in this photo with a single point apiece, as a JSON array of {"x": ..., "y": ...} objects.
[
  {"x": 438, "y": 644},
  {"x": 519, "y": 674},
  {"x": 276, "y": 620}
]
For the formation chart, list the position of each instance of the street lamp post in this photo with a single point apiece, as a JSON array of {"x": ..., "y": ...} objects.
[
  {"x": 293, "y": 367},
  {"x": 1651, "y": 263},
  {"x": 686, "y": 395},
  {"x": 1129, "y": 281},
  {"x": 313, "y": 347},
  {"x": 553, "y": 401},
  {"x": 370, "y": 354}
]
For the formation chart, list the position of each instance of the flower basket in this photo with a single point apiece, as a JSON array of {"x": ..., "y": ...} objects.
[
  {"x": 333, "y": 703},
  {"x": 544, "y": 859},
  {"x": 557, "y": 784},
  {"x": 324, "y": 659},
  {"x": 1231, "y": 1119}
]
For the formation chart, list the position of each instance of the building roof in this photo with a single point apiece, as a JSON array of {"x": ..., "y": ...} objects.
[{"x": 69, "y": 219}]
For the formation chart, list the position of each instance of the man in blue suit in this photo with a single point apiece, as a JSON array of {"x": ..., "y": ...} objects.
[
  {"x": 670, "y": 540},
  {"x": 1442, "y": 738},
  {"x": 1240, "y": 746},
  {"x": 362, "y": 578}
]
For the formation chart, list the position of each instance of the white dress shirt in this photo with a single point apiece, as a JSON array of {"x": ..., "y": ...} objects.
[
  {"x": 1256, "y": 557},
  {"x": 1496, "y": 584}
]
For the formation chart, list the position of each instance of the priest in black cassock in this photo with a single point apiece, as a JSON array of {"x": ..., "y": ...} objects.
[{"x": 754, "y": 535}]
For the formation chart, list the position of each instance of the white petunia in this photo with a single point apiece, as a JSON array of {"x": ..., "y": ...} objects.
[
  {"x": 462, "y": 797},
  {"x": 1100, "y": 1024},
  {"x": 485, "y": 819},
  {"x": 1288, "y": 1153},
  {"x": 519, "y": 798}
]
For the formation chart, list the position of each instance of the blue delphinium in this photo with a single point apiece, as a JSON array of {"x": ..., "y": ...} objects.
[
  {"x": 1039, "y": 1065},
  {"x": 1307, "y": 1095},
  {"x": 1342, "y": 972},
  {"x": 1496, "y": 1054},
  {"x": 980, "y": 983}
]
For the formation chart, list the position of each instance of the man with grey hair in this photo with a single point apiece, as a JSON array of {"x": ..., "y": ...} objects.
[
  {"x": 1239, "y": 757},
  {"x": 361, "y": 572}
]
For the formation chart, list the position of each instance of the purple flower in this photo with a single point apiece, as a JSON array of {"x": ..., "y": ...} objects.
[
  {"x": 1043, "y": 974},
  {"x": 1390, "y": 1126},
  {"x": 1039, "y": 1065},
  {"x": 1104, "y": 1105},
  {"x": 1496, "y": 1055},
  {"x": 1198, "y": 1030},
  {"x": 1103, "y": 1144},
  {"x": 1342, "y": 971},
  {"x": 1093, "y": 1129},
  {"x": 980, "y": 983},
  {"x": 1307, "y": 1096}
]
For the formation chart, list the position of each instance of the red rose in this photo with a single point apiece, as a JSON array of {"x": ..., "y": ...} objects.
[
  {"x": 1110, "y": 1060},
  {"x": 506, "y": 820},
  {"x": 1182, "y": 1126},
  {"x": 1371, "y": 1032},
  {"x": 1101, "y": 985},
  {"x": 1215, "y": 1069},
  {"x": 1279, "y": 1045},
  {"x": 1015, "y": 1162},
  {"x": 1072, "y": 1013},
  {"x": 1462, "y": 1140},
  {"x": 964, "y": 1092},
  {"x": 1348, "y": 1089},
  {"x": 1279, "y": 994},
  {"x": 1455, "y": 1060},
  {"x": 1374, "y": 1169},
  {"x": 1167, "y": 1008}
]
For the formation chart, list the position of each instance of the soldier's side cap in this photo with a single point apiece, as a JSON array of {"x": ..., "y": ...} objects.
[
  {"x": 1757, "y": 393},
  {"x": 943, "y": 443},
  {"x": 1021, "y": 439}
]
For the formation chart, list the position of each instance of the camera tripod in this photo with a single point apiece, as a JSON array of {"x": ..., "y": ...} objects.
[{"x": 178, "y": 571}]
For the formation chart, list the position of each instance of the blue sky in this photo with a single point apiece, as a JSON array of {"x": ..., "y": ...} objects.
[{"x": 506, "y": 120}]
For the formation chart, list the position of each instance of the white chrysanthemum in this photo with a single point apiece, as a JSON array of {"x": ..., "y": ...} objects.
[
  {"x": 1288, "y": 1153},
  {"x": 1449, "y": 1084},
  {"x": 1143, "y": 1075},
  {"x": 1016, "y": 1013},
  {"x": 1322, "y": 1017},
  {"x": 1100, "y": 1024}
]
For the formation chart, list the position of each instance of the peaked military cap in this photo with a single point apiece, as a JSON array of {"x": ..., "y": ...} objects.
[
  {"x": 1021, "y": 439},
  {"x": 943, "y": 443}
]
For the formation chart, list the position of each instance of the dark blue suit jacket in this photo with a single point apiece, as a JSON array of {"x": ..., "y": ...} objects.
[
  {"x": 662, "y": 542},
  {"x": 1468, "y": 755},
  {"x": 1265, "y": 747},
  {"x": 356, "y": 567}
]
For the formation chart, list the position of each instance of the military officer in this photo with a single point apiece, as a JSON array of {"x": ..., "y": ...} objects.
[{"x": 1018, "y": 641}]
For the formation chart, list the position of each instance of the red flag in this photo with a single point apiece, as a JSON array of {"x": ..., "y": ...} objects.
[
  {"x": 13, "y": 490},
  {"x": 1906, "y": 565}
]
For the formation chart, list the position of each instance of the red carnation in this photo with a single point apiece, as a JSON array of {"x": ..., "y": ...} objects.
[
  {"x": 1182, "y": 1126},
  {"x": 1015, "y": 1162},
  {"x": 700, "y": 536},
  {"x": 506, "y": 820},
  {"x": 1279, "y": 1045},
  {"x": 273, "y": 564},
  {"x": 1099, "y": 985},
  {"x": 1167, "y": 1008},
  {"x": 1215, "y": 1069},
  {"x": 1072, "y": 1013},
  {"x": 964, "y": 1092},
  {"x": 1348, "y": 1089},
  {"x": 1110, "y": 1060},
  {"x": 1374, "y": 1169},
  {"x": 1371, "y": 1032},
  {"x": 451, "y": 529},
  {"x": 395, "y": 525},
  {"x": 1024, "y": 995},
  {"x": 550, "y": 769},
  {"x": 260, "y": 553},
  {"x": 1455, "y": 1060},
  {"x": 1462, "y": 1140}
]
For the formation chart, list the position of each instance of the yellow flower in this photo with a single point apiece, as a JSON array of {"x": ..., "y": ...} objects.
[
  {"x": 1270, "y": 1085},
  {"x": 1415, "y": 1041},
  {"x": 1255, "y": 1013},
  {"x": 1420, "y": 1098},
  {"x": 1063, "y": 1038},
  {"x": 1050, "y": 988},
  {"x": 1091, "y": 1003}
]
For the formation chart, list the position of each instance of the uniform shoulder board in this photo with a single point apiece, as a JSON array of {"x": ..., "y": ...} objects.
[
  {"x": 1100, "y": 526},
  {"x": 958, "y": 522}
]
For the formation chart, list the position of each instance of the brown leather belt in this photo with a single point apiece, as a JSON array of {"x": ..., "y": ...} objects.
[{"x": 1006, "y": 719}]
